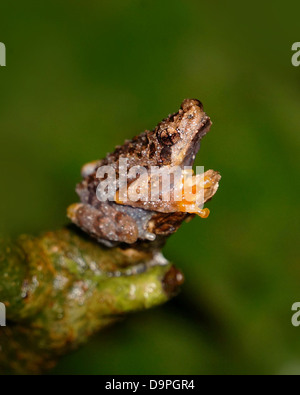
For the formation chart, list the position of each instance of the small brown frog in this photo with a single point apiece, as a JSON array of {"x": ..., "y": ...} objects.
[{"x": 173, "y": 143}]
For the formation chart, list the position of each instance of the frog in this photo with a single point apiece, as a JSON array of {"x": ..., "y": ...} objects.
[{"x": 173, "y": 143}]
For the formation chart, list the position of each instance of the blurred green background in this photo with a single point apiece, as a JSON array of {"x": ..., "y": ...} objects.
[{"x": 81, "y": 77}]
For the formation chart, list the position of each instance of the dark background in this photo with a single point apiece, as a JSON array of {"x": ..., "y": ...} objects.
[{"x": 81, "y": 77}]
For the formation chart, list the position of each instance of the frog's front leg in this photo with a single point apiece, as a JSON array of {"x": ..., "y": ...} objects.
[{"x": 104, "y": 222}]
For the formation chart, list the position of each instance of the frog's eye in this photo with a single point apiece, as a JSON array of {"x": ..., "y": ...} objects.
[{"x": 169, "y": 136}]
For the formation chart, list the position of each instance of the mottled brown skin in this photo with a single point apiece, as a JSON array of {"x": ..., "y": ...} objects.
[{"x": 174, "y": 142}]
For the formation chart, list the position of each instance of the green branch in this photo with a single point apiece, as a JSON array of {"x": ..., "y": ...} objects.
[{"x": 60, "y": 288}]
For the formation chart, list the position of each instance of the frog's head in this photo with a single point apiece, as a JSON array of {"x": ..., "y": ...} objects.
[{"x": 179, "y": 135}]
